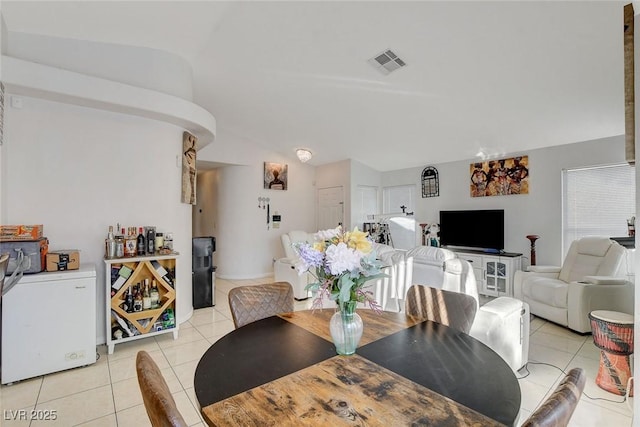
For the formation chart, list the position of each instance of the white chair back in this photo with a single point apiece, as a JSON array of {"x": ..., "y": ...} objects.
[{"x": 592, "y": 256}]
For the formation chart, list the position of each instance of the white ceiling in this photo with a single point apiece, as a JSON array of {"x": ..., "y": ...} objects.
[{"x": 502, "y": 77}]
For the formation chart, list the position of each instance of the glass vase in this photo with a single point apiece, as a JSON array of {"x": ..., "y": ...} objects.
[{"x": 346, "y": 328}]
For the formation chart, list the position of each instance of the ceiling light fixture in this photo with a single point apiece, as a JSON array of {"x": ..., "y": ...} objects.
[{"x": 304, "y": 155}]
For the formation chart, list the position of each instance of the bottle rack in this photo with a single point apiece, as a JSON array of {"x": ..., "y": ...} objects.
[{"x": 142, "y": 324}]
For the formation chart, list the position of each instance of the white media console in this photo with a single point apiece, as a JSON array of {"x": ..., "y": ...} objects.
[{"x": 494, "y": 271}]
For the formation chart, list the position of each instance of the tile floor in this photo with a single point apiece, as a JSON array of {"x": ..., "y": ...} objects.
[{"x": 106, "y": 393}]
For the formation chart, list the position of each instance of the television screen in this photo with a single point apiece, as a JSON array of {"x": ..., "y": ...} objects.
[{"x": 478, "y": 229}]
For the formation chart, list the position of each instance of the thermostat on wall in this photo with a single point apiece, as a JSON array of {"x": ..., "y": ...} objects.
[{"x": 275, "y": 219}]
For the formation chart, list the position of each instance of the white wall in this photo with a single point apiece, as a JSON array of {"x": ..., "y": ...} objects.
[
  {"x": 78, "y": 170},
  {"x": 539, "y": 212},
  {"x": 245, "y": 248}
]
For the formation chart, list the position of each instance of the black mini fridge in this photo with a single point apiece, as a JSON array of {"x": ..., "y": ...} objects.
[{"x": 203, "y": 271}]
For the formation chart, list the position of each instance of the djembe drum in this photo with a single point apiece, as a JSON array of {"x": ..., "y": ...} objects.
[{"x": 613, "y": 335}]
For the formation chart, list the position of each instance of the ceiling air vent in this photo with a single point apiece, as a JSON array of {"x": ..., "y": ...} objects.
[{"x": 386, "y": 62}]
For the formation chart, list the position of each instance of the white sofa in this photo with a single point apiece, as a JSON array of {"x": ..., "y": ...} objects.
[
  {"x": 592, "y": 277},
  {"x": 502, "y": 324}
]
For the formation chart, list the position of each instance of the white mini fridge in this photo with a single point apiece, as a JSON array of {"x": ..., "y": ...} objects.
[{"x": 48, "y": 323}]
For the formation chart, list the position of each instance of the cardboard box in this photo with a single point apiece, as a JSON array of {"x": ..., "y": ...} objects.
[
  {"x": 67, "y": 259},
  {"x": 10, "y": 233},
  {"x": 33, "y": 254}
]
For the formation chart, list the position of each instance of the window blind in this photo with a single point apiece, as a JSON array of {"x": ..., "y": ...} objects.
[{"x": 597, "y": 201}]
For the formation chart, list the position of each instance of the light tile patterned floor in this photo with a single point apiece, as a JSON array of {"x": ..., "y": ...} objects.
[{"x": 106, "y": 393}]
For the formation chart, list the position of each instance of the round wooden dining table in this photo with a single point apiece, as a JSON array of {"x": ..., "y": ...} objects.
[{"x": 284, "y": 370}]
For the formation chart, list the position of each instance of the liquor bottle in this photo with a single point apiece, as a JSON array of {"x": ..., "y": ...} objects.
[
  {"x": 146, "y": 297},
  {"x": 137, "y": 300},
  {"x": 155, "y": 295},
  {"x": 141, "y": 243},
  {"x": 119, "y": 246},
  {"x": 130, "y": 243},
  {"x": 128, "y": 301}
]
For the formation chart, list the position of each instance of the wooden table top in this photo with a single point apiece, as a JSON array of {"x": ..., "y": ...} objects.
[{"x": 284, "y": 371}]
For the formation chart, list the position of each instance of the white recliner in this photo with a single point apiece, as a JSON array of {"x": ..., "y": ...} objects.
[
  {"x": 502, "y": 324},
  {"x": 284, "y": 269},
  {"x": 592, "y": 277}
]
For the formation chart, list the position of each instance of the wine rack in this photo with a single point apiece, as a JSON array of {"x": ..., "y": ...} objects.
[{"x": 146, "y": 323}]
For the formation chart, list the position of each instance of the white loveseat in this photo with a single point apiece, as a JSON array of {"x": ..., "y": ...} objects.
[{"x": 592, "y": 277}]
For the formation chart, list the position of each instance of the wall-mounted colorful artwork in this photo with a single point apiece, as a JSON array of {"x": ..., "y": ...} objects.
[{"x": 500, "y": 177}]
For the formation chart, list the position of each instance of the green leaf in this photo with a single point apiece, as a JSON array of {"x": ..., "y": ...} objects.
[{"x": 345, "y": 286}]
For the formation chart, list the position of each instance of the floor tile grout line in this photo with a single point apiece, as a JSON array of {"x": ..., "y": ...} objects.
[{"x": 113, "y": 395}]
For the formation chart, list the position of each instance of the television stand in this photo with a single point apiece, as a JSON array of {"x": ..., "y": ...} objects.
[{"x": 494, "y": 271}]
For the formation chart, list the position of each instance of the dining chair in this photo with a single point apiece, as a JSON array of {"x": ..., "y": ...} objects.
[
  {"x": 158, "y": 401},
  {"x": 557, "y": 410},
  {"x": 449, "y": 308},
  {"x": 255, "y": 302}
]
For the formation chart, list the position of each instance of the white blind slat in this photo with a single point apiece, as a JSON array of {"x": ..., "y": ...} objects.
[{"x": 598, "y": 201}]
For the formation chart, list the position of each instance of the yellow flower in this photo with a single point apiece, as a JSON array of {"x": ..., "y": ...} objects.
[
  {"x": 319, "y": 246},
  {"x": 358, "y": 240}
]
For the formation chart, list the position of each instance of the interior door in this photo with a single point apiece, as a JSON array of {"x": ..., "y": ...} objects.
[
  {"x": 364, "y": 203},
  {"x": 330, "y": 207}
]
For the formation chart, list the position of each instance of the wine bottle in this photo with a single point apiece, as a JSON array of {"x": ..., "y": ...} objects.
[
  {"x": 128, "y": 301},
  {"x": 155, "y": 295},
  {"x": 141, "y": 243},
  {"x": 162, "y": 272},
  {"x": 146, "y": 297},
  {"x": 137, "y": 300}
]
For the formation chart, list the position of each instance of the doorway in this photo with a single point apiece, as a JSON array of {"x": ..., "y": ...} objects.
[{"x": 330, "y": 207}]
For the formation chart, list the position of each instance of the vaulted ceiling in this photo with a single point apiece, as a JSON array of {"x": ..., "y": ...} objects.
[{"x": 497, "y": 77}]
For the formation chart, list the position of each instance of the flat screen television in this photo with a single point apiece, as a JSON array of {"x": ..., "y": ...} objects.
[{"x": 477, "y": 229}]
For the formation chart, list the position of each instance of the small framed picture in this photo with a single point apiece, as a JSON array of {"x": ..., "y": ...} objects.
[{"x": 275, "y": 176}]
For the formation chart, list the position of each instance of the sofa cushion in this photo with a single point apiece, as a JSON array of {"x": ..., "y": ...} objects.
[
  {"x": 593, "y": 245},
  {"x": 382, "y": 249},
  {"x": 547, "y": 291},
  {"x": 430, "y": 254},
  {"x": 292, "y": 237},
  {"x": 300, "y": 236},
  {"x": 591, "y": 256}
]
